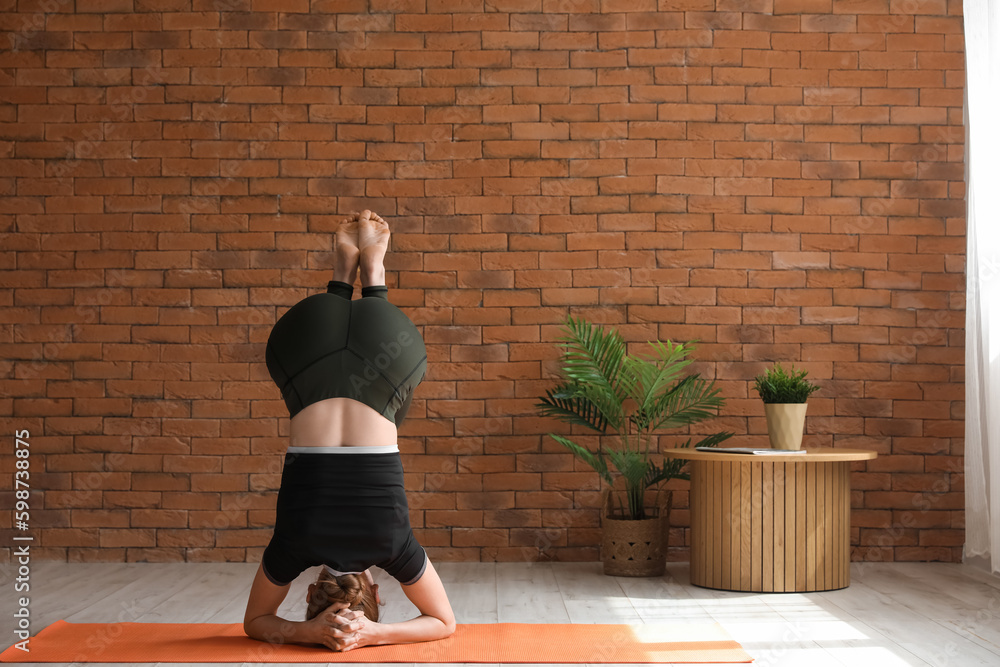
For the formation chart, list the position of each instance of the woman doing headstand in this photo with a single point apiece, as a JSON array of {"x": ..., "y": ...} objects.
[{"x": 347, "y": 370}]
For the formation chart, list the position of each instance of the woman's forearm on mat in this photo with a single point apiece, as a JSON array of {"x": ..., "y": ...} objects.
[
  {"x": 420, "y": 629},
  {"x": 276, "y": 630}
]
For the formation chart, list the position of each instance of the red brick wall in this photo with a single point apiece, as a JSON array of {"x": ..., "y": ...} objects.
[{"x": 780, "y": 179}]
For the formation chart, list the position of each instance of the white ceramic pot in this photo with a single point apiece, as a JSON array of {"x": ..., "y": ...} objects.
[{"x": 785, "y": 424}]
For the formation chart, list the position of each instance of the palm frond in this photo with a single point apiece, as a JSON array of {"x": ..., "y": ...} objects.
[
  {"x": 592, "y": 360},
  {"x": 691, "y": 400},
  {"x": 567, "y": 403},
  {"x": 631, "y": 464},
  {"x": 664, "y": 366},
  {"x": 594, "y": 460},
  {"x": 655, "y": 375},
  {"x": 670, "y": 469}
]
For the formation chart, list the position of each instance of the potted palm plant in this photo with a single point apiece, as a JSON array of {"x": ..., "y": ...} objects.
[
  {"x": 631, "y": 397},
  {"x": 784, "y": 394}
]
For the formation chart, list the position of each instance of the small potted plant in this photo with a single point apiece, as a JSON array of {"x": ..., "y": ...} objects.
[
  {"x": 611, "y": 392},
  {"x": 784, "y": 394}
]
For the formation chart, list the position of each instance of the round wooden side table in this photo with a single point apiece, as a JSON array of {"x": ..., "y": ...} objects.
[{"x": 771, "y": 522}]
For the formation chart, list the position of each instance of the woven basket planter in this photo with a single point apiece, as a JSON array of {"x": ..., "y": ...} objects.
[{"x": 636, "y": 548}]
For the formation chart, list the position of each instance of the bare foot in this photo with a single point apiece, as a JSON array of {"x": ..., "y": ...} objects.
[
  {"x": 373, "y": 242},
  {"x": 347, "y": 252}
]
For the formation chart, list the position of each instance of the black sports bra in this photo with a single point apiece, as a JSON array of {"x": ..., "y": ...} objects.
[{"x": 329, "y": 346}]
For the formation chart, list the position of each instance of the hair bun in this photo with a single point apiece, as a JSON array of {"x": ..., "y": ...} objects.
[
  {"x": 350, "y": 589},
  {"x": 346, "y": 588}
]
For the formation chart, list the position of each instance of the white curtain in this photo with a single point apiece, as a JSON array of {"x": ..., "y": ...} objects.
[{"x": 982, "y": 330}]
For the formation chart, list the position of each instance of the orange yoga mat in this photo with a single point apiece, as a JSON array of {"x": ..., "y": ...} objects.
[{"x": 495, "y": 642}]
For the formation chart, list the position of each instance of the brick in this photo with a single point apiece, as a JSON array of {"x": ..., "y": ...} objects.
[
  {"x": 791, "y": 189},
  {"x": 465, "y": 537}
]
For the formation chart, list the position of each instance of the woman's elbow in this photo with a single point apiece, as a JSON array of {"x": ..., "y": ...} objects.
[
  {"x": 248, "y": 629},
  {"x": 253, "y": 629}
]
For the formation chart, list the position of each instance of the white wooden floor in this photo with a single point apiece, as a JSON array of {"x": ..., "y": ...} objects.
[{"x": 892, "y": 614}]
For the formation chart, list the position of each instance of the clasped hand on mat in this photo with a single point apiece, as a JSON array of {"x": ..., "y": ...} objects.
[{"x": 340, "y": 629}]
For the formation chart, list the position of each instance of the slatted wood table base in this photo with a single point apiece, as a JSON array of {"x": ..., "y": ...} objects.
[{"x": 770, "y": 524}]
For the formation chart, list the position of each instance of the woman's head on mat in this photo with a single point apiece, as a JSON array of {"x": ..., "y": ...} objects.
[{"x": 357, "y": 590}]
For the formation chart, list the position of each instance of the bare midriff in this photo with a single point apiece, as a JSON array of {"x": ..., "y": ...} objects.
[{"x": 340, "y": 422}]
